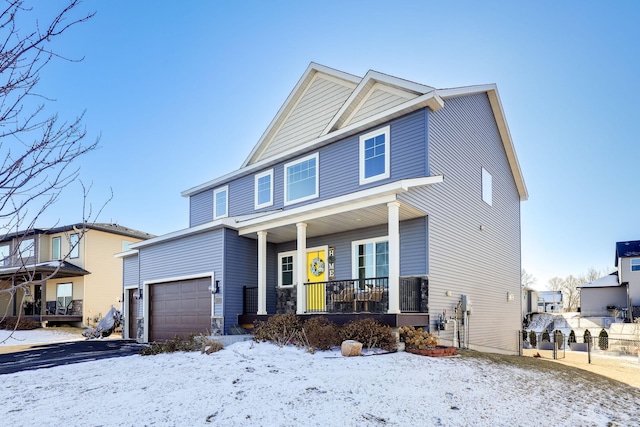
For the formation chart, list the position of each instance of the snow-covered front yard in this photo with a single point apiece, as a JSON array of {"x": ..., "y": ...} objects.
[{"x": 251, "y": 384}]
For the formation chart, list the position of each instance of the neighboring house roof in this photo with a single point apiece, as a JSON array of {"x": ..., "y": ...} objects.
[
  {"x": 109, "y": 228},
  {"x": 627, "y": 249},
  {"x": 60, "y": 268},
  {"x": 608, "y": 281},
  {"x": 327, "y": 105}
]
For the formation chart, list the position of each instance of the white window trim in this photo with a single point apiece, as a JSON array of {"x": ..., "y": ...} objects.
[
  {"x": 27, "y": 245},
  {"x": 74, "y": 247},
  {"x": 487, "y": 187},
  {"x": 280, "y": 256},
  {"x": 286, "y": 181},
  {"x": 631, "y": 264},
  {"x": 387, "y": 154},
  {"x": 226, "y": 202},
  {"x": 354, "y": 252},
  {"x": 53, "y": 245},
  {"x": 255, "y": 186}
]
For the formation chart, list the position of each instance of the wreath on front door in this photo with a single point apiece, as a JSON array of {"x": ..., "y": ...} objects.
[{"x": 317, "y": 266}]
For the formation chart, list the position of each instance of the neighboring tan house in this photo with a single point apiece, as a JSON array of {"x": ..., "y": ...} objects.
[
  {"x": 86, "y": 279},
  {"x": 366, "y": 196},
  {"x": 617, "y": 294}
]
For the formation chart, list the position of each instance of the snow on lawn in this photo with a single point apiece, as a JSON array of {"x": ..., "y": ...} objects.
[
  {"x": 251, "y": 384},
  {"x": 36, "y": 336}
]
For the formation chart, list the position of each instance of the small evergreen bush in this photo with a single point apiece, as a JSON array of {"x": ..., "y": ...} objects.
[
  {"x": 572, "y": 337},
  {"x": 586, "y": 337},
  {"x": 558, "y": 337},
  {"x": 545, "y": 336},
  {"x": 603, "y": 340},
  {"x": 533, "y": 339}
]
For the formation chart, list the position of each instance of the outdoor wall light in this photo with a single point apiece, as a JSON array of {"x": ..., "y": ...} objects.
[
  {"x": 217, "y": 288},
  {"x": 137, "y": 294},
  {"x": 510, "y": 296}
]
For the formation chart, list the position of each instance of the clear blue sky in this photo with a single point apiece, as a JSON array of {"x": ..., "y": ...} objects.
[{"x": 181, "y": 92}]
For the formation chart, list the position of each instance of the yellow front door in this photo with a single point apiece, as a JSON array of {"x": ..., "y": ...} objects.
[{"x": 316, "y": 272}]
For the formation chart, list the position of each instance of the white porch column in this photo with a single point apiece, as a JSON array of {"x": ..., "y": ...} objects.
[
  {"x": 262, "y": 272},
  {"x": 300, "y": 267},
  {"x": 394, "y": 257}
]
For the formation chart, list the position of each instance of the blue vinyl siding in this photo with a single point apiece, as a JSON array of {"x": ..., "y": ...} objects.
[
  {"x": 483, "y": 264},
  {"x": 130, "y": 272},
  {"x": 338, "y": 170},
  {"x": 241, "y": 269}
]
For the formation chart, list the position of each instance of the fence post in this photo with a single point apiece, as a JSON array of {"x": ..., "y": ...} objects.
[{"x": 589, "y": 350}]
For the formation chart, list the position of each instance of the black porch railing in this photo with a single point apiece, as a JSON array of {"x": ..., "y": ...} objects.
[
  {"x": 352, "y": 296},
  {"x": 249, "y": 299}
]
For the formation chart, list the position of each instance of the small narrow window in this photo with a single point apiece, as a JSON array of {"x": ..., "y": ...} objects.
[
  {"x": 55, "y": 248},
  {"x": 487, "y": 190},
  {"x": 374, "y": 155},
  {"x": 286, "y": 274},
  {"x": 301, "y": 179},
  {"x": 635, "y": 264},
  {"x": 264, "y": 189},
  {"x": 220, "y": 203},
  {"x": 74, "y": 245}
]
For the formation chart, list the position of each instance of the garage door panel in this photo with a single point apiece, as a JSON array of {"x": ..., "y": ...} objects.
[{"x": 179, "y": 308}]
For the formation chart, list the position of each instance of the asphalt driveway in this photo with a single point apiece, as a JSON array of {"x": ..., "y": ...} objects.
[{"x": 48, "y": 355}]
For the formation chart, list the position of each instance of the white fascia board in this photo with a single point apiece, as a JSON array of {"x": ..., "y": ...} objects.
[
  {"x": 431, "y": 100},
  {"x": 298, "y": 90},
  {"x": 361, "y": 199},
  {"x": 387, "y": 79},
  {"x": 212, "y": 225},
  {"x": 126, "y": 254},
  {"x": 496, "y": 105}
]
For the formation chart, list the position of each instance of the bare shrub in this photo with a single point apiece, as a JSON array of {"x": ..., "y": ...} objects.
[
  {"x": 321, "y": 333},
  {"x": 281, "y": 329},
  {"x": 370, "y": 333},
  {"x": 18, "y": 324}
]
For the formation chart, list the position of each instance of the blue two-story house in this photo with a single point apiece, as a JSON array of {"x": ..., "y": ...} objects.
[{"x": 366, "y": 196}]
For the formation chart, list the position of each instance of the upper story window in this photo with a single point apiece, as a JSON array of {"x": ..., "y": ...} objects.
[
  {"x": 55, "y": 248},
  {"x": 301, "y": 179},
  {"x": 286, "y": 275},
  {"x": 374, "y": 155},
  {"x": 5, "y": 255},
  {"x": 221, "y": 203},
  {"x": 487, "y": 190},
  {"x": 264, "y": 189},
  {"x": 74, "y": 245},
  {"x": 635, "y": 264},
  {"x": 27, "y": 248}
]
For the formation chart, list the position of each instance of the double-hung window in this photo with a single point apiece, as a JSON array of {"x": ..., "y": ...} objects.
[
  {"x": 374, "y": 155},
  {"x": 371, "y": 258},
  {"x": 264, "y": 189},
  {"x": 635, "y": 264},
  {"x": 286, "y": 274},
  {"x": 55, "y": 247},
  {"x": 221, "y": 203},
  {"x": 301, "y": 179}
]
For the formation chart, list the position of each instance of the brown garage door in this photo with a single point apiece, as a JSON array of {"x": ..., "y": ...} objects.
[{"x": 179, "y": 308}]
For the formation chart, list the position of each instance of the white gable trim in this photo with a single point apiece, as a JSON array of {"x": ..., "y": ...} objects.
[
  {"x": 294, "y": 97},
  {"x": 361, "y": 199},
  {"x": 364, "y": 90}
]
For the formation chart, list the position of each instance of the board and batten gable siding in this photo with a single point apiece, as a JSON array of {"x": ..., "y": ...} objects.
[
  {"x": 378, "y": 101},
  {"x": 240, "y": 269},
  {"x": 338, "y": 166},
  {"x": 483, "y": 264}
]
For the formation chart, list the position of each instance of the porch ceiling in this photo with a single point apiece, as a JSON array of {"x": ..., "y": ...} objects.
[{"x": 324, "y": 223}]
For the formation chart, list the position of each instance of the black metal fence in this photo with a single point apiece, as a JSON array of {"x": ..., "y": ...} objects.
[
  {"x": 411, "y": 300},
  {"x": 249, "y": 299}
]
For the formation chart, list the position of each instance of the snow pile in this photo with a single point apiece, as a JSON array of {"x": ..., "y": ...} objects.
[{"x": 248, "y": 384}]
